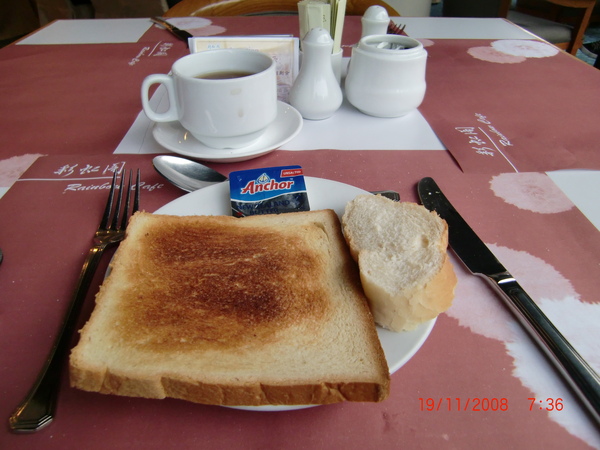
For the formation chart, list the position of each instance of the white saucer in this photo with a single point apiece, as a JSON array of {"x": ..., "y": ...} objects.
[{"x": 174, "y": 137}]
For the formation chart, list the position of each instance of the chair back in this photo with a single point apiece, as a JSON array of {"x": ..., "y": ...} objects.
[
  {"x": 475, "y": 8},
  {"x": 572, "y": 15},
  {"x": 208, "y": 8},
  {"x": 556, "y": 10},
  {"x": 544, "y": 18}
]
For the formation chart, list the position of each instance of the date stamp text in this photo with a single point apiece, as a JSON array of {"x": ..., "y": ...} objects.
[{"x": 430, "y": 404}]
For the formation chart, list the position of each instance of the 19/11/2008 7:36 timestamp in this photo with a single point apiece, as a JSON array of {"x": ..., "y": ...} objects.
[{"x": 485, "y": 404}]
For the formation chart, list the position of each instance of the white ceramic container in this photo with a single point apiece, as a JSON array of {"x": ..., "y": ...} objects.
[{"x": 386, "y": 75}]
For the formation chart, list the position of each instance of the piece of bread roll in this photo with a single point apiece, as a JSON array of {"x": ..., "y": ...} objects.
[{"x": 401, "y": 253}]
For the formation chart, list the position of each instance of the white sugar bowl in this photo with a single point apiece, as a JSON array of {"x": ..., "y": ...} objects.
[{"x": 386, "y": 75}]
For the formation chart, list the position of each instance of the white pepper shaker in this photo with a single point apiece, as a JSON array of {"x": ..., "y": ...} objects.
[
  {"x": 375, "y": 20},
  {"x": 316, "y": 93}
]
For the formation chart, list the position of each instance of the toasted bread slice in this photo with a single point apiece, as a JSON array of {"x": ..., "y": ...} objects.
[
  {"x": 263, "y": 310},
  {"x": 401, "y": 249}
]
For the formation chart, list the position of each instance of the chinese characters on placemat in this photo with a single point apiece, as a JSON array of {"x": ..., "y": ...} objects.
[
  {"x": 509, "y": 114},
  {"x": 485, "y": 140}
]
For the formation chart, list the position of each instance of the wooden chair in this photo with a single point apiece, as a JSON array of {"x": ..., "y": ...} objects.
[
  {"x": 560, "y": 22},
  {"x": 207, "y": 8},
  {"x": 546, "y": 19}
]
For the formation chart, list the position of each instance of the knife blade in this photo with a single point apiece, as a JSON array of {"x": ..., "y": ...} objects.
[
  {"x": 181, "y": 34},
  {"x": 481, "y": 261}
]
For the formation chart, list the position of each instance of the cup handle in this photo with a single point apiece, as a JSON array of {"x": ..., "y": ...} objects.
[{"x": 171, "y": 114}]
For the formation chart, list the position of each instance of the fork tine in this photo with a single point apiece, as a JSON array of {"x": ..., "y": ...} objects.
[
  {"x": 393, "y": 28},
  {"x": 117, "y": 214},
  {"x": 109, "y": 202},
  {"x": 127, "y": 202},
  {"x": 136, "y": 201}
]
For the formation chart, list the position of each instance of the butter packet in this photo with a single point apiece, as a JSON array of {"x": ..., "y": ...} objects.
[{"x": 272, "y": 190}]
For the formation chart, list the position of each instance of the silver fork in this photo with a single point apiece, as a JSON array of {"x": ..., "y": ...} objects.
[
  {"x": 392, "y": 195},
  {"x": 395, "y": 29},
  {"x": 37, "y": 409}
]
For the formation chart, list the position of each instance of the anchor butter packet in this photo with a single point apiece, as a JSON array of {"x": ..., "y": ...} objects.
[{"x": 271, "y": 190}]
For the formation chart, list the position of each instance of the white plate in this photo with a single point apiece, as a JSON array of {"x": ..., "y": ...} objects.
[
  {"x": 322, "y": 194},
  {"x": 285, "y": 127}
]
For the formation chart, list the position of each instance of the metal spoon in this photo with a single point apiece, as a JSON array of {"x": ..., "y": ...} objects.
[
  {"x": 191, "y": 175},
  {"x": 185, "y": 174}
]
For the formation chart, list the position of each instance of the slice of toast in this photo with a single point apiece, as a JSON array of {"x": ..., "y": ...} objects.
[
  {"x": 401, "y": 250},
  {"x": 263, "y": 310}
]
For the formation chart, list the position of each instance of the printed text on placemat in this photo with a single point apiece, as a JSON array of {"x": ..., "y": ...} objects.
[{"x": 485, "y": 139}]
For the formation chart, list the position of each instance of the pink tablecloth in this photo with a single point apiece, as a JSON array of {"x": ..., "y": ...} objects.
[
  {"x": 476, "y": 349},
  {"x": 470, "y": 383},
  {"x": 496, "y": 111}
]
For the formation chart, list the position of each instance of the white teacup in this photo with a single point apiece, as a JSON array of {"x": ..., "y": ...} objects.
[
  {"x": 386, "y": 75},
  {"x": 225, "y": 98}
]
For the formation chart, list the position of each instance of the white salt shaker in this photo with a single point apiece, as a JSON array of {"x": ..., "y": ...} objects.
[
  {"x": 316, "y": 93},
  {"x": 375, "y": 20}
]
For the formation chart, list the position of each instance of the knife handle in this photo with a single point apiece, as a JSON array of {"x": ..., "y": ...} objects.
[{"x": 580, "y": 375}]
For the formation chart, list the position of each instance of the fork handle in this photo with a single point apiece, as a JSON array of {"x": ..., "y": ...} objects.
[{"x": 37, "y": 409}]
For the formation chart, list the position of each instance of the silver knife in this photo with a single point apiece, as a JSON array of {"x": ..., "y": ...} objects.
[
  {"x": 481, "y": 261},
  {"x": 181, "y": 34}
]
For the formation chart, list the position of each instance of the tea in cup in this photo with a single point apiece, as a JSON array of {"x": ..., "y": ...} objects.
[{"x": 225, "y": 98}]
